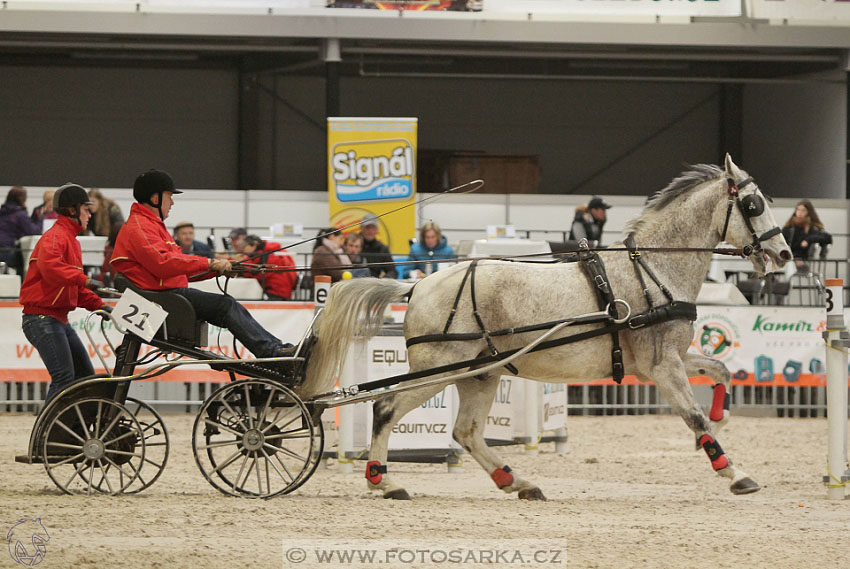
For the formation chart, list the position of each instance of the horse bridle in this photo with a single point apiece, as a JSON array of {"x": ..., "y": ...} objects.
[{"x": 750, "y": 206}]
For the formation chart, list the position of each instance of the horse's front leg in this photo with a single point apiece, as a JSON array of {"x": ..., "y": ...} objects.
[
  {"x": 698, "y": 364},
  {"x": 476, "y": 398},
  {"x": 672, "y": 380},
  {"x": 386, "y": 412}
]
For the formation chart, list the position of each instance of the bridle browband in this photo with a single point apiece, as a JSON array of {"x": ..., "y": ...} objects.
[{"x": 750, "y": 206}]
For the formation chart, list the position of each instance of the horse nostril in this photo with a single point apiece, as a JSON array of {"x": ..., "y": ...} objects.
[{"x": 785, "y": 255}]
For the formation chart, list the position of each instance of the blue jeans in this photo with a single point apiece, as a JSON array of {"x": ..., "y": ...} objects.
[
  {"x": 225, "y": 312},
  {"x": 60, "y": 349}
]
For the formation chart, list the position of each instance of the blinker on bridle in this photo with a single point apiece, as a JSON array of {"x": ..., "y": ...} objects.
[{"x": 750, "y": 206}]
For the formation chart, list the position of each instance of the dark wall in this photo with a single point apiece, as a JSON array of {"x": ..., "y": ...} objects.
[{"x": 102, "y": 126}]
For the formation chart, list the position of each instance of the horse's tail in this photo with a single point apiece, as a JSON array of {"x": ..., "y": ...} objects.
[{"x": 354, "y": 306}]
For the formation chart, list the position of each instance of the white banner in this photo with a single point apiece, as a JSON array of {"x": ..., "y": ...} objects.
[
  {"x": 501, "y": 421},
  {"x": 763, "y": 344},
  {"x": 824, "y": 11},
  {"x": 618, "y": 7},
  {"x": 554, "y": 406}
]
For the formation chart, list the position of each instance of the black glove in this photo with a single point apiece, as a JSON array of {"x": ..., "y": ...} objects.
[
  {"x": 94, "y": 284},
  {"x": 106, "y": 308}
]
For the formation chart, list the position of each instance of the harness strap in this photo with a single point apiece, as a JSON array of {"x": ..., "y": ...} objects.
[
  {"x": 595, "y": 269},
  {"x": 637, "y": 259},
  {"x": 485, "y": 333},
  {"x": 676, "y": 310},
  {"x": 451, "y": 317},
  {"x": 460, "y": 337}
]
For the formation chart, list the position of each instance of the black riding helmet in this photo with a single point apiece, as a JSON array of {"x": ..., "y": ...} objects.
[
  {"x": 68, "y": 199},
  {"x": 151, "y": 183}
]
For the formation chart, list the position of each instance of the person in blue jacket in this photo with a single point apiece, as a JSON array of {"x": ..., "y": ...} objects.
[{"x": 431, "y": 248}]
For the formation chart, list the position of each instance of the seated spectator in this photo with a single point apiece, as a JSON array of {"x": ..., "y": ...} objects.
[
  {"x": 184, "y": 235},
  {"x": 375, "y": 253},
  {"x": 236, "y": 239},
  {"x": 804, "y": 229},
  {"x": 277, "y": 284},
  {"x": 14, "y": 224},
  {"x": 147, "y": 256},
  {"x": 105, "y": 214},
  {"x": 431, "y": 247},
  {"x": 45, "y": 210},
  {"x": 329, "y": 258},
  {"x": 353, "y": 245}
]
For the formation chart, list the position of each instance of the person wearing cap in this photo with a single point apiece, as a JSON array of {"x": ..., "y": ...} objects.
[
  {"x": 374, "y": 252},
  {"x": 237, "y": 237},
  {"x": 55, "y": 285},
  {"x": 147, "y": 255},
  {"x": 589, "y": 221},
  {"x": 184, "y": 234}
]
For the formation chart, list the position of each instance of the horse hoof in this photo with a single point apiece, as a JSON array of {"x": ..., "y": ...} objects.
[
  {"x": 400, "y": 494},
  {"x": 532, "y": 494},
  {"x": 744, "y": 486}
]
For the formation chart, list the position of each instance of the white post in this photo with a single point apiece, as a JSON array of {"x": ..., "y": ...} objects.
[
  {"x": 532, "y": 416},
  {"x": 347, "y": 378},
  {"x": 837, "y": 342}
]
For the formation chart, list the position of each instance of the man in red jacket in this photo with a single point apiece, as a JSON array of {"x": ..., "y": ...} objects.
[
  {"x": 145, "y": 253},
  {"x": 55, "y": 284},
  {"x": 276, "y": 284}
]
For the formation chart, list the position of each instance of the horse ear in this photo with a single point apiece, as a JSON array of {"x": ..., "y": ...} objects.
[{"x": 731, "y": 168}]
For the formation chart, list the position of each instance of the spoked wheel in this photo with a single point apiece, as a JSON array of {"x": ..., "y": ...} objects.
[
  {"x": 94, "y": 445},
  {"x": 156, "y": 440},
  {"x": 255, "y": 438}
]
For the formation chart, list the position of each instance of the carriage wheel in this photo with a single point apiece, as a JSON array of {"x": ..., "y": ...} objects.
[
  {"x": 255, "y": 438},
  {"x": 93, "y": 445},
  {"x": 157, "y": 445}
]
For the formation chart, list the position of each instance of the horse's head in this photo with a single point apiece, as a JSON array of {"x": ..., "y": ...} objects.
[{"x": 749, "y": 223}]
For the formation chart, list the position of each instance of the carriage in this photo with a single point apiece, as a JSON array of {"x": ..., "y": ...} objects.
[{"x": 261, "y": 436}]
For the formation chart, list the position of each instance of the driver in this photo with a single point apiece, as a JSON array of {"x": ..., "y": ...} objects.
[
  {"x": 145, "y": 253},
  {"x": 56, "y": 284}
]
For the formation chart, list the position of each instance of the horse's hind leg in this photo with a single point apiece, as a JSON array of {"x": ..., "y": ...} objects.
[
  {"x": 672, "y": 380},
  {"x": 476, "y": 398},
  {"x": 698, "y": 364},
  {"x": 386, "y": 412}
]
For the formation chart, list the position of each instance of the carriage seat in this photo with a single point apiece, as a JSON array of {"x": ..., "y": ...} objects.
[{"x": 181, "y": 325}]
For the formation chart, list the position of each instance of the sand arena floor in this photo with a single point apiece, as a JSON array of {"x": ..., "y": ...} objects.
[{"x": 631, "y": 492}]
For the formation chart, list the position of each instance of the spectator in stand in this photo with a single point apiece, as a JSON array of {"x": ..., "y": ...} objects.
[
  {"x": 277, "y": 283},
  {"x": 804, "y": 229},
  {"x": 14, "y": 224},
  {"x": 375, "y": 253},
  {"x": 353, "y": 246},
  {"x": 236, "y": 238},
  {"x": 147, "y": 256},
  {"x": 55, "y": 284},
  {"x": 589, "y": 222},
  {"x": 184, "y": 235},
  {"x": 329, "y": 258},
  {"x": 105, "y": 214},
  {"x": 431, "y": 247},
  {"x": 45, "y": 210}
]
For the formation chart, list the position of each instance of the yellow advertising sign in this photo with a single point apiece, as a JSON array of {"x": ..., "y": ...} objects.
[{"x": 372, "y": 169}]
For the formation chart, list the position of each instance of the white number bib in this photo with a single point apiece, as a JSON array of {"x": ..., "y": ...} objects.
[{"x": 139, "y": 315}]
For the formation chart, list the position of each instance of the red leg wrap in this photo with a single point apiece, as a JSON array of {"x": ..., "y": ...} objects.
[
  {"x": 375, "y": 471},
  {"x": 502, "y": 476},
  {"x": 719, "y": 402},
  {"x": 715, "y": 453}
]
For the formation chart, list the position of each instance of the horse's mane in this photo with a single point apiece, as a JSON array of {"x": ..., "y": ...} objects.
[{"x": 685, "y": 182}]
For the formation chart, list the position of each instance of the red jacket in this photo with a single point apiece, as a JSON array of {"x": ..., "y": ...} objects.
[
  {"x": 276, "y": 283},
  {"x": 145, "y": 253},
  {"x": 55, "y": 282}
]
